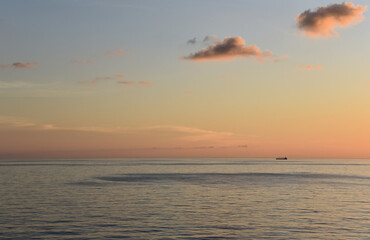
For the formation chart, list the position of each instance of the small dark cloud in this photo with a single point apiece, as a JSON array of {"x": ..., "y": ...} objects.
[
  {"x": 192, "y": 41},
  {"x": 20, "y": 65}
]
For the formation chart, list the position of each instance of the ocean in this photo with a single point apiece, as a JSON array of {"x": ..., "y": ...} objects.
[{"x": 185, "y": 199}]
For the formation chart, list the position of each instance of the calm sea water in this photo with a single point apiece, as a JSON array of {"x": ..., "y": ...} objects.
[{"x": 185, "y": 199}]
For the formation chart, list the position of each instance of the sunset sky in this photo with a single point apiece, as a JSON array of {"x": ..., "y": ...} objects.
[{"x": 184, "y": 78}]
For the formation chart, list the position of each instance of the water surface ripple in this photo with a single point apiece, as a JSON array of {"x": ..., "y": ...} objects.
[{"x": 185, "y": 199}]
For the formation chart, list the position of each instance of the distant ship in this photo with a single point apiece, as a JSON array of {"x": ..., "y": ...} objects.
[{"x": 282, "y": 158}]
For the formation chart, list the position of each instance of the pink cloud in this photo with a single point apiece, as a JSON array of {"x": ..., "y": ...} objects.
[
  {"x": 118, "y": 52},
  {"x": 323, "y": 21},
  {"x": 120, "y": 76},
  {"x": 228, "y": 49},
  {"x": 20, "y": 65},
  {"x": 310, "y": 67}
]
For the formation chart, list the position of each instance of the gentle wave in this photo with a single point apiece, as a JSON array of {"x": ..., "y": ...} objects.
[{"x": 219, "y": 176}]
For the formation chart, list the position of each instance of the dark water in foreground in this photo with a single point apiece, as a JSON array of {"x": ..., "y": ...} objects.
[{"x": 185, "y": 199}]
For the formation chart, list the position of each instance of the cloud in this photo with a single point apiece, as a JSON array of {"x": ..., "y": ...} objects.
[
  {"x": 211, "y": 38},
  {"x": 20, "y": 65},
  {"x": 20, "y": 138},
  {"x": 13, "y": 122},
  {"x": 228, "y": 49},
  {"x": 187, "y": 134},
  {"x": 310, "y": 67},
  {"x": 118, "y": 52},
  {"x": 117, "y": 76},
  {"x": 5, "y": 66},
  {"x": 191, "y": 134},
  {"x": 120, "y": 76},
  {"x": 24, "y": 65},
  {"x": 144, "y": 83},
  {"x": 126, "y": 83},
  {"x": 192, "y": 41},
  {"x": 323, "y": 21},
  {"x": 206, "y": 40}
]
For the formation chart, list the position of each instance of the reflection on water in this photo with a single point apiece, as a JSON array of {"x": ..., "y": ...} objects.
[{"x": 185, "y": 199}]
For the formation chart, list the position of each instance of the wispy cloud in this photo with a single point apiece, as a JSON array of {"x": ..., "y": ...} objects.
[
  {"x": 183, "y": 133},
  {"x": 228, "y": 49},
  {"x": 20, "y": 65},
  {"x": 100, "y": 78},
  {"x": 192, "y": 41},
  {"x": 118, "y": 52},
  {"x": 131, "y": 83},
  {"x": 120, "y": 76},
  {"x": 126, "y": 83},
  {"x": 123, "y": 141},
  {"x": 211, "y": 38},
  {"x": 146, "y": 83},
  {"x": 310, "y": 67},
  {"x": 322, "y": 21},
  {"x": 194, "y": 134},
  {"x": 14, "y": 122}
]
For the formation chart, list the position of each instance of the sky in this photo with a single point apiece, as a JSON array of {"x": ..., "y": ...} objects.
[{"x": 184, "y": 78}]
